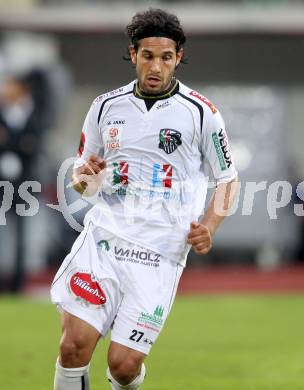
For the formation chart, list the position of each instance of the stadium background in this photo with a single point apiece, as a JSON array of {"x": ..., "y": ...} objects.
[{"x": 247, "y": 57}]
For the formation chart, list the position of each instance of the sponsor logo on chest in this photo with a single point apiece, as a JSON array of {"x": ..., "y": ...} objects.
[
  {"x": 163, "y": 105},
  {"x": 113, "y": 138},
  {"x": 116, "y": 122}
]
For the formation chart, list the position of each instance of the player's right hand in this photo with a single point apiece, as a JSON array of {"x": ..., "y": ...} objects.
[{"x": 88, "y": 177}]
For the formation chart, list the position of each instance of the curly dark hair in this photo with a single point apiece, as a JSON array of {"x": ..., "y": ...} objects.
[{"x": 155, "y": 23}]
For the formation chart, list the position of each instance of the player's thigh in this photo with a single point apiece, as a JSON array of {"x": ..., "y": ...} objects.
[
  {"x": 75, "y": 329},
  {"x": 78, "y": 337},
  {"x": 149, "y": 292},
  {"x": 87, "y": 284}
]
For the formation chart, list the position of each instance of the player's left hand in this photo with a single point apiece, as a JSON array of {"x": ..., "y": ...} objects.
[{"x": 200, "y": 238}]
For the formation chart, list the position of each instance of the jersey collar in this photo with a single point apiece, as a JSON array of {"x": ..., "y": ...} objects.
[{"x": 174, "y": 88}]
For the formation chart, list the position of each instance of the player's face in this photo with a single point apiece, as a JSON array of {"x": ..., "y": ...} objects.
[{"x": 155, "y": 61}]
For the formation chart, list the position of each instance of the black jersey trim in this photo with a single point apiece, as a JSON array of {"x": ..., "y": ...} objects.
[
  {"x": 201, "y": 110},
  {"x": 110, "y": 98}
]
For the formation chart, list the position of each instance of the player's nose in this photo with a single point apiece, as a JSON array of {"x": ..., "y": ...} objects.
[{"x": 155, "y": 66}]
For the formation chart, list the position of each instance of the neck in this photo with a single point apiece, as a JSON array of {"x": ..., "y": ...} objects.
[{"x": 163, "y": 94}]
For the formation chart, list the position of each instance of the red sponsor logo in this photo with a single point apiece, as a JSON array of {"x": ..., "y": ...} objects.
[
  {"x": 205, "y": 100},
  {"x": 113, "y": 145},
  {"x": 124, "y": 168},
  {"x": 167, "y": 181},
  {"x": 81, "y": 144},
  {"x": 113, "y": 132},
  {"x": 84, "y": 287}
]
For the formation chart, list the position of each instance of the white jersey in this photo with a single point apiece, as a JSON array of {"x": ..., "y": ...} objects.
[{"x": 156, "y": 180}]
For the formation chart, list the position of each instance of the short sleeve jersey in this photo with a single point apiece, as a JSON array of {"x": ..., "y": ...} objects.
[{"x": 156, "y": 179}]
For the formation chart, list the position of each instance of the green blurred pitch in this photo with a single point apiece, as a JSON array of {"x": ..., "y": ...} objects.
[{"x": 209, "y": 343}]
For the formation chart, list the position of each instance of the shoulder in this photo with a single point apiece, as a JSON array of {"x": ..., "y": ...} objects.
[
  {"x": 197, "y": 99},
  {"x": 98, "y": 104},
  {"x": 121, "y": 91},
  {"x": 100, "y": 101}
]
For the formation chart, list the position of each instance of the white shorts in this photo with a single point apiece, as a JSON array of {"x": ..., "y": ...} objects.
[{"x": 111, "y": 283}]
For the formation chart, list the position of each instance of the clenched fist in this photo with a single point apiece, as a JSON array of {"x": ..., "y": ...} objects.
[
  {"x": 200, "y": 238},
  {"x": 88, "y": 177}
]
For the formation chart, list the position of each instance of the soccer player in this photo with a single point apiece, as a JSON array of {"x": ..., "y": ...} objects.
[{"x": 144, "y": 148}]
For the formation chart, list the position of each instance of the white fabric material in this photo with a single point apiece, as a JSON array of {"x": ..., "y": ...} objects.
[
  {"x": 111, "y": 283},
  {"x": 158, "y": 163},
  {"x": 71, "y": 378},
  {"x": 133, "y": 385}
]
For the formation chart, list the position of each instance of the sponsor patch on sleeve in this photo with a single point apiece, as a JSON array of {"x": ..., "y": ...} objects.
[
  {"x": 221, "y": 145},
  {"x": 205, "y": 100},
  {"x": 81, "y": 145}
]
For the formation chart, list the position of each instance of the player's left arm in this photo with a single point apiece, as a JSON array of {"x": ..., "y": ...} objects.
[
  {"x": 202, "y": 232},
  {"x": 215, "y": 149}
]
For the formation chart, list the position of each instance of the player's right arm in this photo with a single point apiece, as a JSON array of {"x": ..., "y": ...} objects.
[
  {"x": 87, "y": 177},
  {"x": 88, "y": 167}
]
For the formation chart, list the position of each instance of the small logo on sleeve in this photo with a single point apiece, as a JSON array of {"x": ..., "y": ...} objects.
[{"x": 81, "y": 145}]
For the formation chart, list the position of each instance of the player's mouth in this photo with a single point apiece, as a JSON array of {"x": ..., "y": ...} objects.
[{"x": 153, "y": 81}]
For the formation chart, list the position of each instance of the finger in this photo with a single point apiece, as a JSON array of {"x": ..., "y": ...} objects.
[
  {"x": 98, "y": 161},
  {"x": 91, "y": 168},
  {"x": 84, "y": 178},
  {"x": 201, "y": 250},
  {"x": 202, "y": 246},
  {"x": 201, "y": 231},
  {"x": 84, "y": 170},
  {"x": 96, "y": 168},
  {"x": 197, "y": 233},
  {"x": 194, "y": 225},
  {"x": 199, "y": 240}
]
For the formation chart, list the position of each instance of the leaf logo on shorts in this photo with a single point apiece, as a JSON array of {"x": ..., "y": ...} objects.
[
  {"x": 159, "y": 311},
  {"x": 84, "y": 287},
  {"x": 104, "y": 245}
]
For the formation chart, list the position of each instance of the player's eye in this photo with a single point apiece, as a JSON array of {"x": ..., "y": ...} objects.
[
  {"x": 147, "y": 56},
  {"x": 167, "y": 57}
]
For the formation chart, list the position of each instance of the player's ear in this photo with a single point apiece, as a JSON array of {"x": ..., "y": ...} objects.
[
  {"x": 133, "y": 54},
  {"x": 179, "y": 56}
]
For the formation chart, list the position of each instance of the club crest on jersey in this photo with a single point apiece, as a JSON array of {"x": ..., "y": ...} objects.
[
  {"x": 169, "y": 140},
  {"x": 113, "y": 138}
]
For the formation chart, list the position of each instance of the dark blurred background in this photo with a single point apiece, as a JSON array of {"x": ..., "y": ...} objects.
[{"x": 57, "y": 56}]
